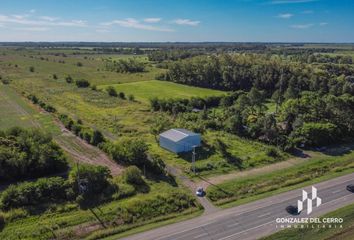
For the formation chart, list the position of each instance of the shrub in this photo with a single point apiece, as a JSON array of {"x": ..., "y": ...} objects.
[
  {"x": 124, "y": 191},
  {"x": 79, "y": 64},
  {"x": 2, "y": 221},
  {"x": 82, "y": 83},
  {"x": 131, "y": 97},
  {"x": 29, "y": 153},
  {"x": 33, "y": 193},
  {"x": 55, "y": 76},
  {"x": 132, "y": 175},
  {"x": 69, "y": 79},
  {"x": 97, "y": 138},
  {"x": 31, "y": 69},
  {"x": 121, "y": 95},
  {"x": 111, "y": 91},
  {"x": 91, "y": 183},
  {"x": 132, "y": 151},
  {"x": 316, "y": 134}
]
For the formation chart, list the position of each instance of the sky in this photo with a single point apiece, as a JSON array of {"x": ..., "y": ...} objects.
[{"x": 177, "y": 20}]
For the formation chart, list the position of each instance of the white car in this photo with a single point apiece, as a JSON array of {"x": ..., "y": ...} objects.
[{"x": 200, "y": 192}]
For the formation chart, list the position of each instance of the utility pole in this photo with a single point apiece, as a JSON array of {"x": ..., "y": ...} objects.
[{"x": 193, "y": 159}]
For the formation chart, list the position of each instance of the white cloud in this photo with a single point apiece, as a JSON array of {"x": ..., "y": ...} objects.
[
  {"x": 302, "y": 26},
  {"x": 48, "y": 18},
  {"x": 24, "y": 20},
  {"x": 290, "y": 1},
  {"x": 186, "y": 22},
  {"x": 322, "y": 24},
  {"x": 133, "y": 23},
  {"x": 285, "y": 15},
  {"x": 152, "y": 20},
  {"x": 33, "y": 29}
]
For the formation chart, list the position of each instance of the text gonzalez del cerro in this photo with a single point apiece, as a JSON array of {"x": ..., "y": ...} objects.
[{"x": 309, "y": 220}]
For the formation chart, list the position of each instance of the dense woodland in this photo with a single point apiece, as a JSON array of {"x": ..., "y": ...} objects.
[{"x": 313, "y": 95}]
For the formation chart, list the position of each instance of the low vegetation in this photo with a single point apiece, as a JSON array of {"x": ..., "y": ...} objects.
[{"x": 237, "y": 189}]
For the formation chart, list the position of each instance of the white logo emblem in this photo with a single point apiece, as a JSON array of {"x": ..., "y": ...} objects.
[{"x": 305, "y": 197}]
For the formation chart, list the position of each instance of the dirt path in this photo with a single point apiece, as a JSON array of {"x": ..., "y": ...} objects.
[
  {"x": 74, "y": 146},
  {"x": 205, "y": 182},
  {"x": 83, "y": 152},
  {"x": 208, "y": 206}
]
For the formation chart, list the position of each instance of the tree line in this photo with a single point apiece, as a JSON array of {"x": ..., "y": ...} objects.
[{"x": 270, "y": 74}]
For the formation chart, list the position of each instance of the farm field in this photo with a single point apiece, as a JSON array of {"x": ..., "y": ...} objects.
[{"x": 146, "y": 90}]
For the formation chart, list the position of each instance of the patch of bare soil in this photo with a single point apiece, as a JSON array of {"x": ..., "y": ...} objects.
[{"x": 83, "y": 152}]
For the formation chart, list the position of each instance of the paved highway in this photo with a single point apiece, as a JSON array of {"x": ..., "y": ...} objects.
[{"x": 253, "y": 220}]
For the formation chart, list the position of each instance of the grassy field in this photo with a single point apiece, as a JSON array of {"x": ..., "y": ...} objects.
[
  {"x": 241, "y": 190},
  {"x": 16, "y": 111},
  {"x": 114, "y": 116},
  {"x": 143, "y": 91},
  {"x": 69, "y": 222},
  {"x": 243, "y": 154},
  {"x": 345, "y": 233}
]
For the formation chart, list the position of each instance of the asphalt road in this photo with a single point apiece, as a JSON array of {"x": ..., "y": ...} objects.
[{"x": 253, "y": 220}]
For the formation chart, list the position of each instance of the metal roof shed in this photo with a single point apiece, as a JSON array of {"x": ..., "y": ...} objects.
[{"x": 179, "y": 140}]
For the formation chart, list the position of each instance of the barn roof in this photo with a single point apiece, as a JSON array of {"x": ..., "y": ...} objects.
[{"x": 177, "y": 134}]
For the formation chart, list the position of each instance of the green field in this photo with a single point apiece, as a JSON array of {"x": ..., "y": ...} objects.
[
  {"x": 69, "y": 222},
  {"x": 146, "y": 90},
  {"x": 325, "y": 166},
  {"x": 345, "y": 233},
  {"x": 15, "y": 111}
]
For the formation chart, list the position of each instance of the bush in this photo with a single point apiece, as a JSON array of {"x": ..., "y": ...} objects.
[
  {"x": 124, "y": 191},
  {"x": 69, "y": 79},
  {"x": 132, "y": 175},
  {"x": 316, "y": 134},
  {"x": 31, "y": 69},
  {"x": 55, "y": 76},
  {"x": 34, "y": 193},
  {"x": 131, "y": 151},
  {"x": 91, "y": 183},
  {"x": 131, "y": 97},
  {"x": 2, "y": 221},
  {"x": 82, "y": 83},
  {"x": 121, "y": 95},
  {"x": 28, "y": 154},
  {"x": 111, "y": 91}
]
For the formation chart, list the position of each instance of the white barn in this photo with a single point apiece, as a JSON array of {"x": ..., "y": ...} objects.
[{"x": 179, "y": 140}]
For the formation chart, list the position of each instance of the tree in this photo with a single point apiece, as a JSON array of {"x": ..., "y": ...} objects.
[
  {"x": 69, "y": 79},
  {"x": 97, "y": 138},
  {"x": 82, "y": 83},
  {"x": 122, "y": 95},
  {"x": 111, "y": 91},
  {"x": 91, "y": 184}
]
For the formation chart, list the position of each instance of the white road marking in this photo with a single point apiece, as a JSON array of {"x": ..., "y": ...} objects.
[
  {"x": 246, "y": 230},
  {"x": 232, "y": 225},
  {"x": 263, "y": 215},
  {"x": 337, "y": 191},
  {"x": 201, "y": 235}
]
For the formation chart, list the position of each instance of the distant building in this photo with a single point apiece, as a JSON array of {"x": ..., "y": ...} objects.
[{"x": 179, "y": 140}]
